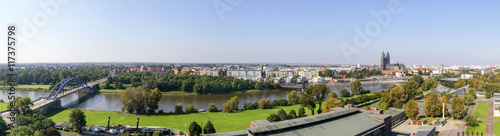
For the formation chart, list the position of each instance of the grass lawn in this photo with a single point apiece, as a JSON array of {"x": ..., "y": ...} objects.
[
  {"x": 223, "y": 122},
  {"x": 111, "y": 90},
  {"x": 343, "y": 98},
  {"x": 497, "y": 118},
  {"x": 483, "y": 112},
  {"x": 428, "y": 91},
  {"x": 480, "y": 128},
  {"x": 497, "y": 128},
  {"x": 34, "y": 86},
  {"x": 482, "y": 105},
  {"x": 3, "y": 106}
]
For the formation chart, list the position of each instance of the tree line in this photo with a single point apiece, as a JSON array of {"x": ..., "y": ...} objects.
[{"x": 53, "y": 76}]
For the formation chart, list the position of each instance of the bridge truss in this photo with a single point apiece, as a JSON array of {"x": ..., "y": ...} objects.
[{"x": 66, "y": 85}]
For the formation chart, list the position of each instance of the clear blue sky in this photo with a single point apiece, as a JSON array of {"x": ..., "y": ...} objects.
[{"x": 425, "y": 32}]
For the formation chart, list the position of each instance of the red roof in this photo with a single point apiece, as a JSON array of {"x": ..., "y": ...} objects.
[
  {"x": 491, "y": 67},
  {"x": 420, "y": 69},
  {"x": 154, "y": 69}
]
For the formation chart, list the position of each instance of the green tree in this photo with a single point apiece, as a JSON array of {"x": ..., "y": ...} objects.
[
  {"x": 235, "y": 102},
  {"x": 77, "y": 119},
  {"x": 468, "y": 99},
  {"x": 460, "y": 83},
  {"x": 472, "y": 92},
  {"x": 178, "y": 108},
  {"x": 418, "y": 79},
  {"x": 333, "y": 94},
  {"x": 320, "y": 92},
  {"x": 3, "y": 127},
  {"x": 209, "y": 128},
  {"x": 427, "y": 84},
  {"x": 292, "y": 97},
  {"x": 194, "y": 129},
  {"x": 331, "y": 103},
  {"x": 457, "y": 107},
  {"x": 471, "y": 120},
  {"x": 344, "y": 93},
  {"x": 356, "y": 87},
  {"x": 411, "y": 109},
  {"x": 22, "y": 131},
  {"x": 302, "y": 112},
  {"x": 153, "y": 99},
  {"x": 37, "y": 133},
  {"x": 411, "y": 89},
  {"x": 21, "y": 105},
  {"x": 134, "y": 99},
  {"x": 433, "y": 107},
  {"x": 158, "y": 133},
  {"x": 307, "y": 100}
]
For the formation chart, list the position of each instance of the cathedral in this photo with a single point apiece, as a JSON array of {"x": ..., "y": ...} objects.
[{"x": 385, "y": 63}]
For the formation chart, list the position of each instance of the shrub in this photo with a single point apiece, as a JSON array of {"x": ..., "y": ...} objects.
[
  {"x": 280, "y": 102},
  {"x": 194, "y": 129},
  {"x": 178, "y": 108},
  {"x": 281, "y": 114},
  {"x": 248, "y": 106},
  {"x": 273, "y": 117},
  {"x": 212, "y": 107},
  {"x": 209, "y": 128},
  {"x": 158, "y": 133},
  {"x": 190, "y": 109},
  {"x": 291, "y": 114},
  {"x": 264, "y": 104},
  {"x": 302, "y": 112}
]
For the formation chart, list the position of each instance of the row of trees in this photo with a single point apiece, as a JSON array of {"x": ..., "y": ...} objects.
[
  {"x": 53, "y": 76},
  {"x": 282, "y": 115},
  {"x": 169, "y": 81},
  {"x": 195, "y": 129},
  {"x": 360, "y": 74}
]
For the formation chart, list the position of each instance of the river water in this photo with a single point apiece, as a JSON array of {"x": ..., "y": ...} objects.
[{"x": 110, "y": 102}]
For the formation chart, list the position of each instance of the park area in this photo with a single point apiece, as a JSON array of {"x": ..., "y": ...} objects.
[
  {"x": 497, "y": 128},
  {"x": 482, "y": 112},
  {"x": 480, "y": 128},
  {"x": 3, "y": 106},
  {"x": 223, "y": 122},
  {"x": 483, "y": 105}
]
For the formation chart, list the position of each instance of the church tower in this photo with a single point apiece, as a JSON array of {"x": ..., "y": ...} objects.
[
  {"x": 382, "y": 61},
  {"x": 388, "y": 59}
]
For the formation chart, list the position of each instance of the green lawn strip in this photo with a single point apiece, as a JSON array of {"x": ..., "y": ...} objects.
[
  {"x": 343, "y": 98},
  {"x": 3, "y": 106},
  {"x": 480, "y": 128},
  {"x": 497, "y": 118},
  {"x": 483, "y": 112},
  {"x": 111, "y": 90},
  {"x": 223, "y": 122},
  {"x": 482, "y": 105},
  {"x": 497, "y": 128},
  {"x": 34, "y": 86},
  {"x": 428, "y": 91}
]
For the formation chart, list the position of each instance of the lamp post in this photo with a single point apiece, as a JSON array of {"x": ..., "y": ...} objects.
[
  {"x": 137, "y": 127},
  {"x": 108, "y": 122}
]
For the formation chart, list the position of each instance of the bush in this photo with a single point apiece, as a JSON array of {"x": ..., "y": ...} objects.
[
  {"x": 212, "y": 107},
  {"x": 280, "y": 102},
  {"x": 190, "y": 109},
  {"x": 178, "y": 108},
  {"x": 281, "y": 114},
  {"x": 209, "y": 128},
  {"x": 291, "y": 114},
  {"x": 273, "y": 117},
  {"x": 194, "y": 129},
  {"x": 302, "y": 112},
  {"x": 264, "y": 104},
  {"x": 248, "y": 106}
]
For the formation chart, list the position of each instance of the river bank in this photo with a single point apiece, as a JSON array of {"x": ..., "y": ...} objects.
[{"x": 119, "y": 91}]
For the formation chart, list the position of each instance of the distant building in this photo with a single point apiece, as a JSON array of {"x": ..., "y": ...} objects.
[
  {"x": 385, "y": 63},
  {"x": 440, "y": 89}
]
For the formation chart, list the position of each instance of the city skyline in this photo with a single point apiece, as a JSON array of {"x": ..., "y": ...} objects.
[{"x": 417, "y": 33}]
